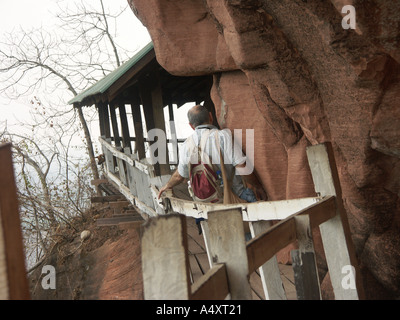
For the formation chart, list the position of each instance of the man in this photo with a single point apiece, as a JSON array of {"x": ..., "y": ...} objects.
[{"x": 201, "y": 120}]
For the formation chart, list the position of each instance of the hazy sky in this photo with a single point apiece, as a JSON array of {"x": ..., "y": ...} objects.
[{"x": 39, "y": 13}]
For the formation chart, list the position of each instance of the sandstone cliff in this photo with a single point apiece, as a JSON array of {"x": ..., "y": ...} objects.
[{"x": 290, "y": 71}]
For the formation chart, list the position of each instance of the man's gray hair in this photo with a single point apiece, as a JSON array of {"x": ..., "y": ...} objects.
[{"x": 198, "y": 115}]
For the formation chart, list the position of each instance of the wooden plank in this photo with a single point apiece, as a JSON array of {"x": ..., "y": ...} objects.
[
  {"x": 116, "y": 153},
  {"x": 119, "y": 204},
  {"x": 117, "y": 220},
  {"x": 195, "y": 270},
  {"x": 227, "y": 245},
  {"x": 256, "y": 286},
  {"x": 336, "y": 238},
  {"x": 269, "y": 272},
  {"x": 131, "y": 183},
  {"x": 114, "y": 125},
  {"x": 165, "y": 262},
  {"x": 159, "y": 119},
  {"x": 13, "y": 280},
  {"x": 141, "y": 206},
  {"x": 126, "y": 141},
  {"x": 137, "y": 124},
  {"x": 96, "y": 182},
  {"x": 304, "y": 263},
  {"x": 104, "y": 199},
  {"x": 108, "y": 155},
  {"x": 261, "y": 210},
  {"x": 264, "y": 246},
  {"x": 213, "y": 285}
]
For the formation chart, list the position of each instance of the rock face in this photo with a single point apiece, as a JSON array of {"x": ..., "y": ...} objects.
[{"x": 290, "y": 71}]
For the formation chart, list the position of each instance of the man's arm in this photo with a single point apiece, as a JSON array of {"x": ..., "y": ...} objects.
[{"x": 175, "y": 179}]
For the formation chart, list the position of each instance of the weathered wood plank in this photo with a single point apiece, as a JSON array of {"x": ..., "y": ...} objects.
[
  {"x": 117, "y": 220},
  {"x": 116, "y": 153},
  {"x": 137, "y": 124},
  {"x": 110, "y": 198},
  {"x": 213, "y": 285},
  {"x": 336, "y": 238},
  {"x": 13, "y": 280},
  {"x": 165, "y": 261},
  {"x": 269, "y": 272},
  {"x": 266, "y": 245},
  {"x": 96, "y": 182},
  {"x": 262, "y": 210},
  {"x": 227, "y": 245},
  {"x": 304, "y": 263},
  {"x": 263, "y": 247}
]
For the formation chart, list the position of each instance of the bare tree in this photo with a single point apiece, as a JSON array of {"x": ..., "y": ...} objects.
[
  {"x": 52, "y": 182},
  {"x": 73, "y": 57}
]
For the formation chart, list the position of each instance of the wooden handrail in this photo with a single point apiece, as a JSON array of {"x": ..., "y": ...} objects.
[{"x": 266, "y": 245}]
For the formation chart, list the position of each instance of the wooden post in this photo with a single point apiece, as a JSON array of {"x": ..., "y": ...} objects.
[
  {"x": 335, "y": 233},
  {"x": 117, "y": 139},
  {"x": 126, "y": 139},
  {"x": 130, "y": 175},
  {"x": 165, "y": 262},
  {"x": 304, "y": 263},
  {"x": 13, "y": 280},
  {"x": 137, "y": 124},
  {"x": 151, "y": 94},
  {"x": 228, "y": 245},
  {"x": 109, "y": 158},
  {"x": 270, "y": 275}
]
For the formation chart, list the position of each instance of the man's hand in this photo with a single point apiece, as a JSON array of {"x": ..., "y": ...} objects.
[
  {"x": 173, "y": 181},
  {"x": 166, "y": 187}
]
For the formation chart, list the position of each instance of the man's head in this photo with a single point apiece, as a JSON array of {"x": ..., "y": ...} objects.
[{"x": 199, "y": 115}]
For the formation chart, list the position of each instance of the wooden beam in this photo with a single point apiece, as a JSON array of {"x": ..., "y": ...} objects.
[
  {"x": 107, "y": 198},
  {"x": 126, "y": 141},
  {"x": 96, "y": 182},
  {"x": 114, "y": 122},
  {"x": 336, "y": 237},
  {"x": 269, "y": 272},
  {"x": 13, "y": 280},
  {"x": 255, "y": 211},
  {"x": 227, "y": 245},
  {"x": 165, "y": 262},
  {"x": 304, "y": 262},
  {"x": 211, "y": 286},
  {"x": 139, "y": 139},
  {"x": 264, "y": 246},
  {"x": 118, "y": 220}
]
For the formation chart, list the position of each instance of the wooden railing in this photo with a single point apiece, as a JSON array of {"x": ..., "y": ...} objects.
[
  {"x": 232, "y": 260},
  {"x": 134, "y": 178},
  {"x": 165, "y": 253}
]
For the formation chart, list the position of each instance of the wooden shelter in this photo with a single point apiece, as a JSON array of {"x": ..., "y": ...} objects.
[{"x": 141, "y": 81}]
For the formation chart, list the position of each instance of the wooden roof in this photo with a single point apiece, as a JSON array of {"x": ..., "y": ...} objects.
[{"x": 125, "y": 83}]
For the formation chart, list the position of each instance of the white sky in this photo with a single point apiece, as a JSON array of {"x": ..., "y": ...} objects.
[{"x": 40, "y": 13}]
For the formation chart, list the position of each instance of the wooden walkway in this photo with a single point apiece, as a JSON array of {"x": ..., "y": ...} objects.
[{"x": 199, "y": 265}]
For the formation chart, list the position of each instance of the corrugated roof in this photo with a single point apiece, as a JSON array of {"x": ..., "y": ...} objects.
[{"x": 104, "y": 84}]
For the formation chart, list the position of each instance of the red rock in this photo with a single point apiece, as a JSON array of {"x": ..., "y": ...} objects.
[{"x": 290, "y": 71}]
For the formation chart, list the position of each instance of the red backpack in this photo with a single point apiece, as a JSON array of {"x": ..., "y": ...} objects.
[{"x": 205, "y": 185}]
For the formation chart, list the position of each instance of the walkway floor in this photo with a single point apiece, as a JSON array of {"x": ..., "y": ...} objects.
[{"x": 199, "y": 265}]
